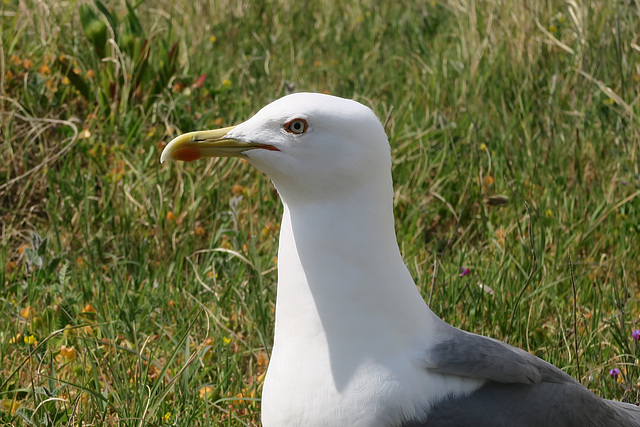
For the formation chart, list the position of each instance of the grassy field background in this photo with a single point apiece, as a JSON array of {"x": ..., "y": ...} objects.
[{"x": 134, "y": 293}]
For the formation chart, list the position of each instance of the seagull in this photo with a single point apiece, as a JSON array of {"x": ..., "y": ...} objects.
[{"x": 355, "y": 343}]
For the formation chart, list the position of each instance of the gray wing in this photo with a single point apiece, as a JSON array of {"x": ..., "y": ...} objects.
[
  {"x": 470, "y": 355},
  {"x": 521, "y": 389},
  {"x": 542, "y": 404}
]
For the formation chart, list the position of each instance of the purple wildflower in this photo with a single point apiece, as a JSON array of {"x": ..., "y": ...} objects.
[
  {"x": 465, "y": 271},
  {"x": 636, "y": 334},
  {"x": 614, "y": 373}
]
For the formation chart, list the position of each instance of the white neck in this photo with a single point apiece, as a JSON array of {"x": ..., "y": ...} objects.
[
  {"x": 351, "y": 326},
  {"x": 342, "y": 281},
  {"x": 350, "y": 323}
]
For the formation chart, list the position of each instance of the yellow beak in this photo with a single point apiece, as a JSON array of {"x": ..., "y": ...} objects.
[{"x": 208, "y": 143}]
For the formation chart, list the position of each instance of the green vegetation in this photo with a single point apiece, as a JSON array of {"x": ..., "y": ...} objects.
[{"x": 134, "y": 293}]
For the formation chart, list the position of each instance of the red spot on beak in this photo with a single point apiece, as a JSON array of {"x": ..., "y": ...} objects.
[{"x": 187, "y": 154}]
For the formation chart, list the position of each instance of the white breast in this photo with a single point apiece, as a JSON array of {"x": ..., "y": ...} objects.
[{"x": 302, "y": 391}]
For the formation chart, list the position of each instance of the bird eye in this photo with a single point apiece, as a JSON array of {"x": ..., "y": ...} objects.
[{"x": 297, "y": 126}]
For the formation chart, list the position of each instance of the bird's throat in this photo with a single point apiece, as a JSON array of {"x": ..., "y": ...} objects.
[{"x": 341, "y": 278}]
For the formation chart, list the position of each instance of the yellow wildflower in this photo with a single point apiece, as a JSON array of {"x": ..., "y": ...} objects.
[
  {"x": 27, "y": 312},
  {"x": 238, "y": 190},
  {"x": 263, "y": 359},
  {"x": 10, "y": 405},
  {"x": 31, "y": 340},
  {"x": 68, "y": 353},
  {"x": 205, "y": 391},
  {"x": 239, "y": 399},
  {"x": 267, "y": 230},
  {"x": 88, "y": 309}
]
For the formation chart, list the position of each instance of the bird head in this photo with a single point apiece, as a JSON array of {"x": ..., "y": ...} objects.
[{"x": 311, "y": 145}]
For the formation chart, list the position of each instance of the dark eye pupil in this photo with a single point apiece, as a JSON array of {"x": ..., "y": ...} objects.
[{"x": 297, "y": 126}]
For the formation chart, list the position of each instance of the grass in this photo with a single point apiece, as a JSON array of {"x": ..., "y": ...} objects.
[{"x": 138, "y": 294}]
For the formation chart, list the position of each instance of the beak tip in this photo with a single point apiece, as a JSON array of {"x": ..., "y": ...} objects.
[
  {"x": 166, "y": 154},
  {"x": 196, "y": 145}
]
